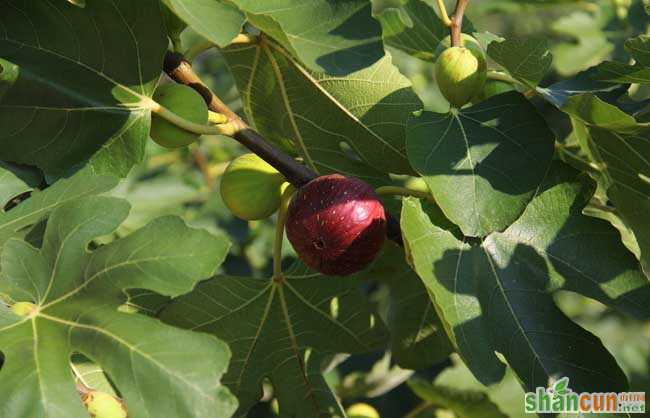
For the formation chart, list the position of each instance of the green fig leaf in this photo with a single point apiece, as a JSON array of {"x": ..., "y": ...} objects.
[
  {"x": 620, "y": 146},
  {"x": 483, "y": 291},
  {"x": 283, "y": 331},
  {"x": 415, "y": 28},
  {"x": 77, "y": 293},
  {"x": 463, "y": 403},
  {"x": 333, "y": 37},
  {"x": 217, "y": 21},
  {"x": 418, "y": 339},
  {"x": 42, "y": 203},
  {"x": 82, "y": 78},
  {"x": 483, "y": 163},
  {"x": 15, "y": 180},
  {"x": 353, "y": 125},
  {"x": 528, "y": 60}
]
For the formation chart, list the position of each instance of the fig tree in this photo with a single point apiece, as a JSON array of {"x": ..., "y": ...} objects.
[
  {"x": 251, "y": 188},
  {"x": 103, "y": 405},
  {"x": 186, "y": 103},
  {"x": 23, "y": 308},
  {"x": 336, "y": 224},
  {"x": 460, "y": 74}
]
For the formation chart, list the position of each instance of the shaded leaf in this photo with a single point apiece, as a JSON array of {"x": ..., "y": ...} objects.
[
  {"x": 215, "y": 20},
  {"x": 508, "y": 281},
  {"x": 282, "y": 331},
  {"x": 83, "y": 78},
  {"x": 313, "y": 114},
  {"x": 483, "y": 163},
  {"x": 415, "y": 28},
  {"x": 527, "y": 60},
  {"x": 618, "y": 72},
  {"x": 627, "y": 167},
  {"x": 77, "y": 294},
  {"x": 621, "y": 146},
  {"x": 463, "y": 403},
  {"x": 334, "y": 37},
  {"x": 418, "y": 339}
]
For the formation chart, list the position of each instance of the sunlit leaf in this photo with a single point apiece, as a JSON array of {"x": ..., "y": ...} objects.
[
  {"x": 483, "y": 163},
  {"x": 77, "y": 293},
  {"x": 281, "y": 330},
  {"x": 81, "y": 75}
]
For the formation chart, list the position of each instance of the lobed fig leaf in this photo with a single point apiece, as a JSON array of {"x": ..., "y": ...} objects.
[
  {"x": 460, "y": 74},
  {"x": 251, "y": 188},
  {"x": 185, "y": 102},
  {"x": 103, "y": 405},
  {"x": 336, "y": 224}
]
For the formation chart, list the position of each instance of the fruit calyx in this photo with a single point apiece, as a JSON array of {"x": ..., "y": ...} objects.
[
  {"x": 24, "y": 309},
  {"x": 336, "y": 224},
  {"x": 461, "y": 73}
]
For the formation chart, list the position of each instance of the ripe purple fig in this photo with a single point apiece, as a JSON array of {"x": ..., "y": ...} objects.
[{"x": 336, "y": 224}]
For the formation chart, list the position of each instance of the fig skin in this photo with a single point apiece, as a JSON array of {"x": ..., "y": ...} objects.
[
  {"x": 251, "y": 188},
  {"x": 103, "y": 405},
  {"x": 336, "y": 224},
  {"x": 460, "y": 75},
  {"x": 186, "y": 103}
]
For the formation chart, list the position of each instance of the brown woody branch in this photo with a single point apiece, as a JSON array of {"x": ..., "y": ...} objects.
[
  {"x": 457, "y": 22},
  {"x": 180, "y": 70}
]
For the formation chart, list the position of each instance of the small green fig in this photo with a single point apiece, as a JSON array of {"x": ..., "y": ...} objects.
[
  {"x": 361, "y": 410},
  {"x": 460, "y": 75},
  {"x": 251, "y": 188},
  {"x": 23, "y": 308},
  {"x": 104, "y": 405},
  {"x": 186, "y": 103}
]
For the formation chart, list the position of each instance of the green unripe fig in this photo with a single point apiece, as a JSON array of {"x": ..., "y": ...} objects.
[
  {"x": 186, "y": 103},
  {"x": 492, "y": 88},
  {"x": 251, "y": 188},
  {"x": 362, "y": 410},
  {"x": 460, "y": 75},
  {"x": 466, "y": 40},
  {"x": 104, "y": 405},
  {"x": 23, "y": 308}
]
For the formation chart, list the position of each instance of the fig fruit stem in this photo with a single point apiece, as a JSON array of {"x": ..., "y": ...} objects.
[
  {"x": 180, "y": 70},
  {"x": 217, "y": 118},
  {"x": 221, "y": 129},
  {"x": 443, "y": 13},
  {"x": 456, "y": 26},
  {"x": 279, "y": 232},
  {"x": 500, "y": 76},
  {"x": 403, "y": 191}
]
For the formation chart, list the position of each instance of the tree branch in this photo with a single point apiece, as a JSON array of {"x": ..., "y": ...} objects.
[
  {"x": 180, "y": 70},
  {"x": 457, "y": 22}
]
